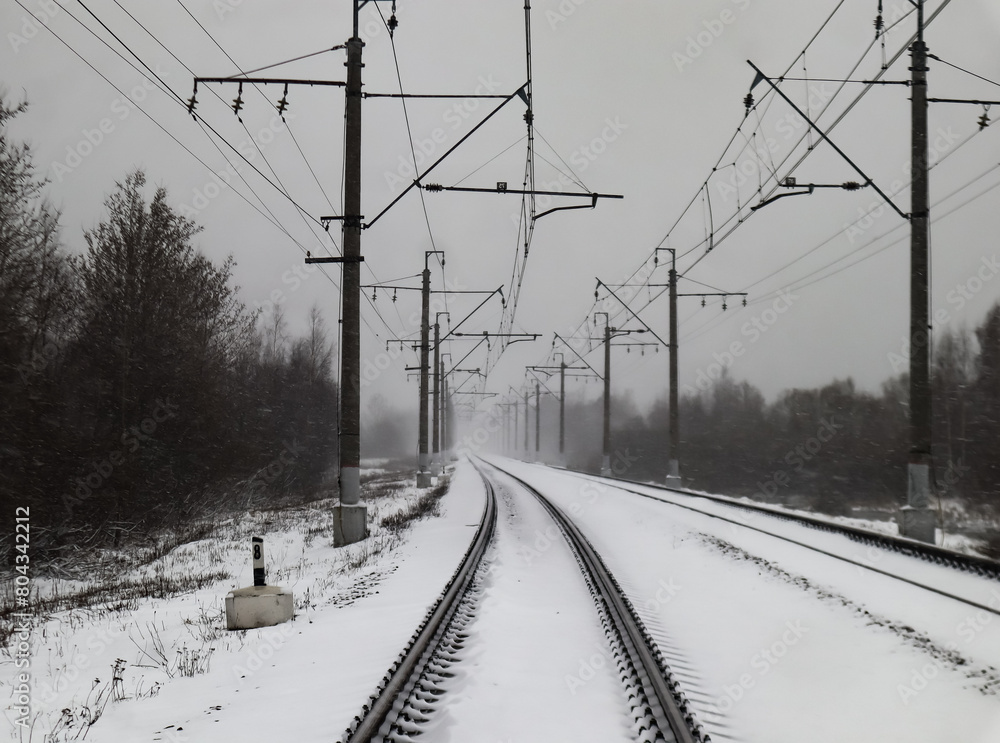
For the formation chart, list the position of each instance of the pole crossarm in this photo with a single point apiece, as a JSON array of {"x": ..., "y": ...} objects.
[
  {"x": 519, "y": 93},
  {"x": 270, "y": 81},
  {"x": 464, "y": 357},
  {"x": 826, "y": 138},
  {"x": 541, "y": 381},
  {"x": 630, "y": 311},
  {"x": 516, "y": 336},
  {"x": 432, "y": 95},
  {"x": 810, "y": 188},
  {"x": 501, "y": 188},
  {"x": 570, "y": 347},
  {"x": 498, "y": 290},
  {"x": 963, "y": 100}
]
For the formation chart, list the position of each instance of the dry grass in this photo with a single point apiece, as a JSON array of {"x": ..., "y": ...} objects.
[{"x": 426, "y": 505}]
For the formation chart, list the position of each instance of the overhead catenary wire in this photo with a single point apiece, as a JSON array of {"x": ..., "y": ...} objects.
[{"x": 269, "y": 218}]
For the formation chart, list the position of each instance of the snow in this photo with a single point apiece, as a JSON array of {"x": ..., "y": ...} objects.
[
  {"x": 535, "y": 606},
  {"x": 303, "y": 681},
  {"x": 776, "y": 642},
  {"x": 772, "y": 641}
]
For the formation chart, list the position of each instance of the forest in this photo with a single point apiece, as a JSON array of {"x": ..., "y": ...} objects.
[
  {"x": 829, "y": 448},
  {"x": 136, "y": 389}
]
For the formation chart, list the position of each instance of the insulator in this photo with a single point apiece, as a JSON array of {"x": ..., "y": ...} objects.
[
  {"x": 193, "y": 101},
  {"x": 283, "y": 103},
  {"x": 744, "y": 301},
  {"x": 373, "y": 295},
  {"x": 702, "y": 301},
  {"x": 628, "y": 350},
  {"x": 984, "y": 120},
  {"x": 238, "y": 102},
  {"x": 879, "y": 25},
  {"x": 393, "y": 295},
  {"x": 748, "y": 102}
]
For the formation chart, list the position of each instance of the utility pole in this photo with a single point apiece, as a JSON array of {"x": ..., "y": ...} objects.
[
  {"x": 609, "y": 333},
  {"x": 351, "y": 517},
  {"x": 423, "y": 470},
  {"x": 917, "y": 521},
  {"x": 526, "y": 422},
  {"x": 517, "y": 426},
  {"x": 549, "y": 370},
  {"x": 606, "y": 447},
  {"x": 674, "y": 443},
  {"x": 423, "y": 473},
  {"x": 673, "y": 435},
  {"x": 445, "y": 423},
  {"x": 538, "y": 420},
  {"x": 438, "y": 424},
  {"x": 562, "y": 409}
]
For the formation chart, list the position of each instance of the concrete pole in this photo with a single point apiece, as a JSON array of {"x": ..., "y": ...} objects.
[
  {"x": 436, "y": 425},
  {"x": 423, "y": 471},
  {"x": 562, "y": 411},
  {"x": 673, "y": 451},
  {"x": 538, "y": 420},
  {"x": 517, "y": 426},
  {"x": 525, "y": 422},
  {"x": 917, "y": 520},
  {"x": 606, "y": 458},
  {"x": 350, "y": 517}
]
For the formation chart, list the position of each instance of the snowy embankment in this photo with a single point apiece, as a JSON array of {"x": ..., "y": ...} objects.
[
  {"x": 776, "y": 642},
  {"x": 126, "y": 668}
]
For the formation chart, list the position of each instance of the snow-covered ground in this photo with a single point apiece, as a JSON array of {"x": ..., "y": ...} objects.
[
  {"x": 777, "y": 642},
  {"x": 773, "y": 642},
  {"x": 535, "y": 664},
  {"x": 151, "y": 669}
]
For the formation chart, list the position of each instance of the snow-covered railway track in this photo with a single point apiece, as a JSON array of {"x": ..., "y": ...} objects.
[
  {"x": 765, "y": 520},
  {"x": 974, "y": 564},
  {"x": 773, "y": 640},
  {"x": 665, "y": 711},
  {"x": 379, "y": 715},
  {"x": 510, "y": 646}
]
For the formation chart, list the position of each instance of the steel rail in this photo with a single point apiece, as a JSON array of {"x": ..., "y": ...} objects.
[
  {"x": 669, "y": 707},
  {"x": 931, "y": 553},
  {"x": 410, "y": 663}
]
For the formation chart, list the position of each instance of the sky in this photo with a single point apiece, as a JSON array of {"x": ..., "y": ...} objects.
[{"x": 644, "y": 100}]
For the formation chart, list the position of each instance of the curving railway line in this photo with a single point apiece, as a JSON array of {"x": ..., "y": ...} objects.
[{"x": 447, "y": 650}]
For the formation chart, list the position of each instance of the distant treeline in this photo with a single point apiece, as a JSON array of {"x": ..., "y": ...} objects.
[
  {"x": 135, "y": 387},
  {"x": 837, "y": 446}
]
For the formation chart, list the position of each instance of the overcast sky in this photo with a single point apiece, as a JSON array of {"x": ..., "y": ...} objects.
[{"x": 638, "y": 98}]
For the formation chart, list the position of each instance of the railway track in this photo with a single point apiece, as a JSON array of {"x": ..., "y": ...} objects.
[
  {"x": 414, "y": 688},
  {"x": 668, "y": 709},
  {"x": 975, "y": 565},
  {"x": 377, "y": 717}
]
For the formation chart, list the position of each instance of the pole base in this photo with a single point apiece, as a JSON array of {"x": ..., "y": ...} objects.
[
  {"x": 350, "y": 524},
  {"x": 435, "y": 468},
  {"x": 605, "y": 466},
  {"x": 918, "y": 475},
  {"x": 918, "y": 523},
  {"x": 424, "y": 479},
  {"x": 673, "y": 474}
]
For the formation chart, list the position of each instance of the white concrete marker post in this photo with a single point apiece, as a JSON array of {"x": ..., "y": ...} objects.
[{"x": 259, "y": 605}]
